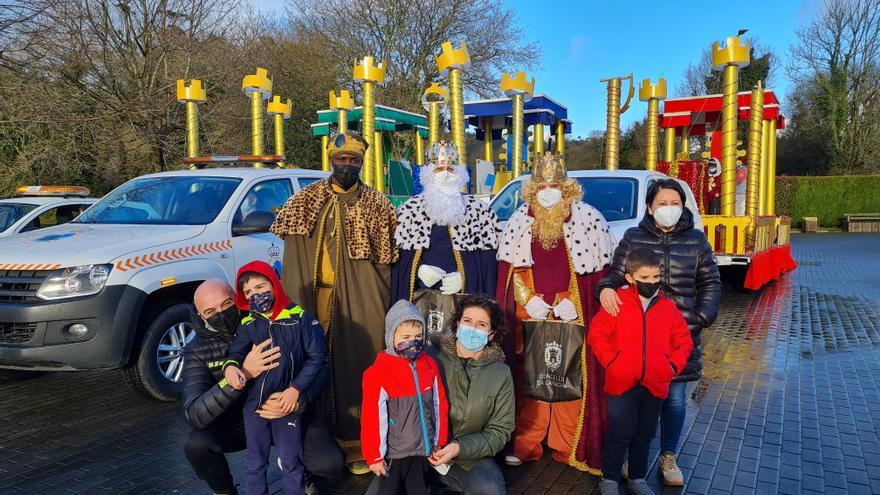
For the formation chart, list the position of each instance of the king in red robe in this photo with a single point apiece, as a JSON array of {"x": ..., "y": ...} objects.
[{"x": 552, "y": 255}]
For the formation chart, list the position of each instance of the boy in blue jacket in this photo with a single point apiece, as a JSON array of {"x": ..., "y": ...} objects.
[{"x": 303, "y": 354}]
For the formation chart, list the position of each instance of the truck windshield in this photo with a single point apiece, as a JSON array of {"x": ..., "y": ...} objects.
[
  {"x": 163, "y": 201},
  {"x": 614, "y": 197},
  {"x": 12, "y": 212}
]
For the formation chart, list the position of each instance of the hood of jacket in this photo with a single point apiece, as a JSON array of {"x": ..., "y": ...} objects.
[
  {"x": 402, "y": 312},
  {"x": 263, "y": 268},
  {"x": 685, "y": 222}
]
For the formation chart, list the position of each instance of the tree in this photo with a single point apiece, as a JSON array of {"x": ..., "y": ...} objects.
[{"x": 835, "y": 65}]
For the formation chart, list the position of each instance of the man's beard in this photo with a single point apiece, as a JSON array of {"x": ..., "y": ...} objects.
[
  {"x": 549, "y": 224},
  {"x": 444, "y": 205}
]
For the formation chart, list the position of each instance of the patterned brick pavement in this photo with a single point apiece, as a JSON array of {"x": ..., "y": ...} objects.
[{"x": 789, "y": 403}]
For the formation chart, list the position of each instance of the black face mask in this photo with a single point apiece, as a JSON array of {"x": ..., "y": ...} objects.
[
  {"x": 647, "y": 289},
  {"x": 225, "y": 322},
  {"x": 346, "y": 175}
]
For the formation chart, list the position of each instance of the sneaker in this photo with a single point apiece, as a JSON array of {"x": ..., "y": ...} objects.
[
  {"x": 359, "y": 468},
  {"x": 608, "y": 487},
  {"x": 512, "y": 460},
  {"x": 638, "y": 487},
  {"x": 669, "y": 470},
  {"x": 624, "y": 471}
]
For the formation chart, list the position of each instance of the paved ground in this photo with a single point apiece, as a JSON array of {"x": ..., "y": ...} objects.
[{"x": 789, "y": 403}]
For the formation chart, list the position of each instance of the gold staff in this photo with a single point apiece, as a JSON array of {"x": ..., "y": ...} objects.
[
  {"x": 280, "y": 111},
  {"x": 433, "y": 99},
  {"x": 756, "y": 117}
]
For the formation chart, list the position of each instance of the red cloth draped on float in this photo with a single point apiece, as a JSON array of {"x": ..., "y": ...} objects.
[{"x": 769, "y": 265}]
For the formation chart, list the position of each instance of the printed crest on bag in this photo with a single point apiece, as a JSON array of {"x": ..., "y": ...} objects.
[
  {"x": 553, "y": 355},
  {"x": 434, "y": 321}
]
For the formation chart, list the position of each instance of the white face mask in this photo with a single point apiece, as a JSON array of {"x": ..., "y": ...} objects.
[
  {"x": 667, "y": 216},
  {"x": 549, "y": 197},
  {"x": 446, "y": 179}
]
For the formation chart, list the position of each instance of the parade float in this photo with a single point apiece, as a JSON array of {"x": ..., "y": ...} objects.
[{"x": 745, "y": 233}]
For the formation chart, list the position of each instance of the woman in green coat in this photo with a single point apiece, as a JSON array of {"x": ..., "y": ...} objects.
[{"x": 479, "y": 388}]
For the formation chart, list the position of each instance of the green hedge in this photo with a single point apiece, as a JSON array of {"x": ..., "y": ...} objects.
[{"x": 828, "y": 198}]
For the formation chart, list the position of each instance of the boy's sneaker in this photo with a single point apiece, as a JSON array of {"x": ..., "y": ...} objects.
[
  {"x": 359, "y": 467},
  {"x": 669, "y": 470},
  {"x": 638, "y": 487},
  {"x": 608, "y": 487},
  {"x": 512, "y": 460}
]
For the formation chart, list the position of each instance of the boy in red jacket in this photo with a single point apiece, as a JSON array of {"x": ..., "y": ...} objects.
[
  {"x": 403, "y": 415},
  {"x": 641, "y": 349}
]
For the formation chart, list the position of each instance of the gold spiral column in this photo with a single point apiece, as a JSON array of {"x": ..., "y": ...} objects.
[
  {"x": 280, "y": 111},
  {"x": 762, "y": 187},
  {"x": 258, "y": 87},
  {"x": 192, "y": 95},
  {"x": 729, "y": 59},
  {"x": 433, "y": 100},
  {"x": 771, "y": 167},
  {"x": 652, "y": 93},
  {"x": 753, "y": 180},
  {"x": 453, "y": 61},
  {"x": 419, "y": 148},
  {"x": 560, "y": 139},
  {"x": 538, "y": 136},
  {"x": 612, "y": 120},
  {"x": 487, "y": 139},
  {"x": 370, "y": 74},
  {"x": 518, "y": 89},
  {"x": 325, "y": 158}
]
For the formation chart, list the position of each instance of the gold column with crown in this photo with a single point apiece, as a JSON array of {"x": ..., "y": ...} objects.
[
  {"x": 729, "y": 59},
  {"x": 518, "y": 89},
  {"x": 342, "y": 103},
  {"x": 192, "y": 95},
  {"x": 612, "y": 119},
  {"x": 433, "y": 100},
  {"x": 258, "y": 87},
  {"x": 653, "y": 93},
  {"x": 453, "y": 61},
  {"x": 280, "y": 111},
  {"x": 370, "y": 74}
]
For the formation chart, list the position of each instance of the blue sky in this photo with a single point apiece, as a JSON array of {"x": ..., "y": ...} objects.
[{"x": 585, "y": 41}]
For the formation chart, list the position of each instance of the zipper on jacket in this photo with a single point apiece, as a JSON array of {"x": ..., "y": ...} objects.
[
  {"x": 266, "y": 373},
  {"x": 645, "y": 336},
  {"x": 421, "y": 409}
]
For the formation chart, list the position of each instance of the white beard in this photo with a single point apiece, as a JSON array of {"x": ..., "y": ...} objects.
[{"x": 444, "y": 205}]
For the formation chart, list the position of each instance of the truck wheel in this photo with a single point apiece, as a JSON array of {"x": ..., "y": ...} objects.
[{"x": 157, "y": 368}]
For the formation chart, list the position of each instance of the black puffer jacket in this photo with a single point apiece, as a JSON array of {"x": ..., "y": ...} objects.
[
  {"x": 688, "y": 272},
  {"x": 204, "y": 400}
]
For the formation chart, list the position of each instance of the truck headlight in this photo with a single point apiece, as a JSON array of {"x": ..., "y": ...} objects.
[{"x": 76, "y": 281}]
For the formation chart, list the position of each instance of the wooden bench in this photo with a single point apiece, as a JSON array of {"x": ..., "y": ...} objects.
[{"x": 862, "y": 222}]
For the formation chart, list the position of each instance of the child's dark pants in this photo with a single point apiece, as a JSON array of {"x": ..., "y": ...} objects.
[
  {"x": 406, "y": 475},
  {"x": 286, "y": 433},
  {"x": 632, "y": 418}
]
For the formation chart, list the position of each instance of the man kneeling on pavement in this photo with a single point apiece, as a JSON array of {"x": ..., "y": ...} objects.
[{"x": 214, "y": 409}]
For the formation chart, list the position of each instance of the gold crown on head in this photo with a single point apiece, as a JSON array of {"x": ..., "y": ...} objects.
[
  {"x": 548, "y": 167},
  {"x": 444, "y": 154}
]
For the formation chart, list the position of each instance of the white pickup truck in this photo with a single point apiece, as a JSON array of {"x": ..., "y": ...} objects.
[
  {"x": 619, "y": 195},
  {"x": 113, "y": 288}
]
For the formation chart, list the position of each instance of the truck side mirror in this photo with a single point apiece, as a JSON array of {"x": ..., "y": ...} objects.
[{"x": 256, "y": 222}]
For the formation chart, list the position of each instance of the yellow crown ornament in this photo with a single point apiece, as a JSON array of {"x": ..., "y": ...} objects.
[
  {"x": 548, "y": 167},
  {"x": 443, "y": 154}
]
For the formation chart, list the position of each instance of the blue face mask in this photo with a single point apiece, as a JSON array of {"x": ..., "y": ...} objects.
[
  {"x": 262, "y": 302},
  {"x": 472, "y": 339},
  {"x": 410, "y": 349}
]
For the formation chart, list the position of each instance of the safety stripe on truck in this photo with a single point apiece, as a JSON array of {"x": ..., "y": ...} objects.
[
  {"x": 29, "y": 267},
  {"x": 169, "y": 255}
]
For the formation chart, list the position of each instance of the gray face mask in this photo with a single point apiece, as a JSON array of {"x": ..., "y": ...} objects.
[{"x": 667, "y": 216}]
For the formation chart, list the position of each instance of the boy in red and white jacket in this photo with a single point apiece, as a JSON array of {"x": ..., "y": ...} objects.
[
  {"x": 403, "y": 415},
  {"x": 641, "y": 349}
]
